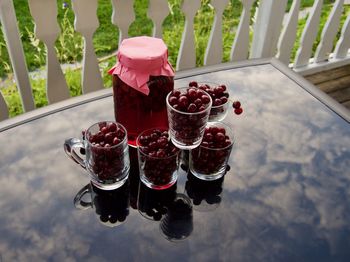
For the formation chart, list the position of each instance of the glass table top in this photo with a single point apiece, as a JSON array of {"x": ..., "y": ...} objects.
[{"x": 285, "y": 196}]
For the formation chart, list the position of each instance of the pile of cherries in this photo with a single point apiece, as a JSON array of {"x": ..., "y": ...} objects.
[
  {"x": 106, "y": 159},
  {"x": 154, "y": 204},
  {"x": 202, "y": 192},
  {"x": 178, "y": 222},
  {"x": 112, "y": 205},
  {"x": 208, "y": 161},
  {"x": 158, "y": 156},
  {"x": 109, "y": 134},
  {"x": 192, "y": 101},
  {"x": 218, "y": 93},
  {"x": 220, "y": 97}
]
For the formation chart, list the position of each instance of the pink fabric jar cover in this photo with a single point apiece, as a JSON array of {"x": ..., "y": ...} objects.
[{"x": 138, "y": 59}]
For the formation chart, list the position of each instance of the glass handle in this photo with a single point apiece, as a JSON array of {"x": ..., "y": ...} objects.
[
  {"x": 79, "y": 203},
  {"x": 70, "y": 146}
]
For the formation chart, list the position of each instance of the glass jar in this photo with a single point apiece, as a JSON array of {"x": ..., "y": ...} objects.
[{"x": 142, "y": 79}]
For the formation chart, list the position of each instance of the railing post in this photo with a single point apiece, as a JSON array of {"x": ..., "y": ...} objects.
[
  {"x": 187, "y": 52},
  {"x": 158, "y": 10},
  {"x": 15, "y": 49},
  {"x": 86, "y": 23},
  {"x": 123, "y": 15},
  {"x": 267, "y": 28}
]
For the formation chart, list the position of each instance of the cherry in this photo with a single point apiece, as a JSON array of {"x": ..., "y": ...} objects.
[
  {"x": 176, "y": 93},
  {"x": 116, "y": 141},
  {"x": 112, "y": 127},
  {"x": 223, "y": 99},
  {"x": 193, "y": 84},
  {"x": 217, "y": 102},
  {"x": 183, "y": 101},
  {"x": 218, "y": 91},
  {"x": 192, "y": 93},
  {"x": 173, "y": 100},
  {"x": 205, "y": 99},
  {"x": 236, "y": 104},
  {"x": 219, "y": 137},
  {"x": 104, "y": 130},
  {"x": 192, "y": 108},
  {"x": 239, "y": 111}
]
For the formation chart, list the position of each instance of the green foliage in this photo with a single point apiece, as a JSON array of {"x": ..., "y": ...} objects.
[
  {"x": 172, "y": 30},
  {"x": 40, "y": 54},
  {"x": 39, "y": 92},
  {"x": 5, "y": 66},
  {"x": 69, "y": 45},
  {"x": 13, "y": 101},
  {"x": 107, "y": 35},
  {"x": 142, "y": 24}
]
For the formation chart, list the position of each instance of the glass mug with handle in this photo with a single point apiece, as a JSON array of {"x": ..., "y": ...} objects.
[{"x": 106, "y": 154}]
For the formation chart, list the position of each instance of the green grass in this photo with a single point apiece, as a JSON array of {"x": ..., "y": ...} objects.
[{"x": 69, "y": 45}]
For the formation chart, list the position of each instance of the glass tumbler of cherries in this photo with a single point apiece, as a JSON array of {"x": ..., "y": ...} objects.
[
  {"x": 209, "y": 160},
  {"x": 158, "y": 158},
  {"x": 188, "y": 111},
  {"x": 106, "y": 154}
]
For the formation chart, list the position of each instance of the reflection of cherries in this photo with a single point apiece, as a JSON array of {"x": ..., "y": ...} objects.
[
  {"x": 177, "y": 224},
  {"x": 112, "y": 205},
  {"x": 153, "y": 204},
  {"x": 200, "y": 190},
  {"x": 107, "y": 158},
  {"x": 220, "y": 96},
  {"x": 208, "y": 161},
  {"x": 157, "y": 156}
]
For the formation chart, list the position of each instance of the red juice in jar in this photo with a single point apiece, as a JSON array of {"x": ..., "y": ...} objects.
[{"x": 142, "y": 79}]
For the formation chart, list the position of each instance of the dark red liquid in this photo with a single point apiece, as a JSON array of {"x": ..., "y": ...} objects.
[{"x": 137, "y": 111}]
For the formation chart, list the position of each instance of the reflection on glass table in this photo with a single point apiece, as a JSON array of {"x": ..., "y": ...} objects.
[
  {"x": 111, "y": 206},
  {"x": 172, "y": 209},
  {"x": 205, "y": 195}
]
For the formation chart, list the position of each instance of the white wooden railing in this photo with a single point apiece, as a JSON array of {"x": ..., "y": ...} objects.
[{"x": 271, "y": 38}]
